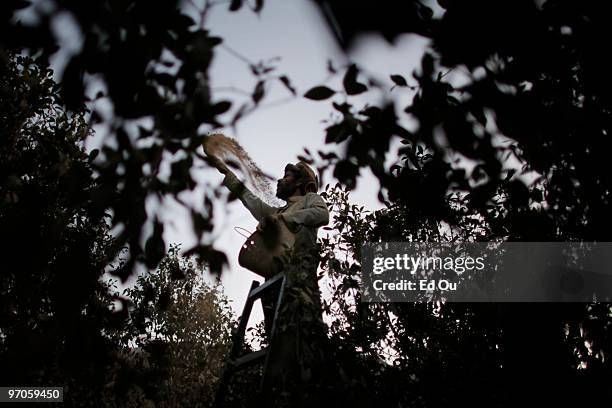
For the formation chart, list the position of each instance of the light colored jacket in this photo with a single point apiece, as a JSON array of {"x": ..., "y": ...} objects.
[{"x": 303, "y": 215}]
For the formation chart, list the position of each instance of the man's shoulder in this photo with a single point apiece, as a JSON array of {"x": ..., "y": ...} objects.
[{"x": 313, "y": 197}]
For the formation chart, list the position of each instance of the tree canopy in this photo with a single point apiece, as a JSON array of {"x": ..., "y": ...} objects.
[{"x": 62, "y": 322}]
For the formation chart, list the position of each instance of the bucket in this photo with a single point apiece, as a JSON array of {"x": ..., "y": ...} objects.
[{"x": 264, "y": 251}]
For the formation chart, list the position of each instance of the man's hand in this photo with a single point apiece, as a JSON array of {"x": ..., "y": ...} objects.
[{"x": 214, "y": 160}]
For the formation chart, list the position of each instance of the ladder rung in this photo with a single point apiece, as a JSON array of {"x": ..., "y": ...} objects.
[
  {"x": 249, "y": 358},
  {"x": 255, "y": 293}
]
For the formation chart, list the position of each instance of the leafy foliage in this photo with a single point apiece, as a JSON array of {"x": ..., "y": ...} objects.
[
  {"x": 162, "y": 343},
  {"x": 428, "y": 354},
  {"x": 509, "y": 122},
  {"x": 177, "y": 337},
  {"x": 507, "y": 144},
  {"x": 156, "y": 100},
  {"x": 56, "y": 243}
]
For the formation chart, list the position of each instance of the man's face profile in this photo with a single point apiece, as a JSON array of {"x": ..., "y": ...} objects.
[{"x": 287, "y": 185}]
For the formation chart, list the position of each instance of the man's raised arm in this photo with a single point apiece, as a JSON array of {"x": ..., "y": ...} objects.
[{"x": 254, "y": 204}]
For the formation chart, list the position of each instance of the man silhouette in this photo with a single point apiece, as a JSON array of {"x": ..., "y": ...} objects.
[
  {"x": 304, "y": 212},
  {"x": 295, "y": 351}
]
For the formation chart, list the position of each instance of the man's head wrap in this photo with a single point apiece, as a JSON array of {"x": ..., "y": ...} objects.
[{"x": 307, "y": 180}]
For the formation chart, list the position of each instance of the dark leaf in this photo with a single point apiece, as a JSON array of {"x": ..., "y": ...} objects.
[
  {"x": 337, "y": 133},
  {"x": 186, "y": 21},
  {"x": 328, "y": 156},
  {"x": 235, "y": 5},
  {"x": 258, "y": 93},
  {"x": 427, "y": 65},
  {"x": 399, "y": 80},
  {"x": 350, "y": 83},
  {"x": 221, "y": 107},
  {"x": 346, "y": 172},
  {"x": 330, "y": 67},
  {"x": 176, "y": 273},
  {"x": 319, "y": 93},
  {"x": 96, "y": 118},
  {"x": 72, "y": 84},
  {"x": 239, "y": 114},
  {"x": 285, "y": 80},
  {"x": 215, "y": 259},
  {"x": 214, "y": 41},
  {"x": 424, "y": 12},
  {"x": 343, "y": 108},
  {"x": 93, "y": 154},
  {"x": 155, "y": 247}
]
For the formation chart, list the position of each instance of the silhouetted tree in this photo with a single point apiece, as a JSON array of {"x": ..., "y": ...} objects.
[
  {"x": 56, "y": 243},
  {"x": 512, "y": 114},
  {"x": 162, "y": 342},
  {"x": 176, "y": 340}
]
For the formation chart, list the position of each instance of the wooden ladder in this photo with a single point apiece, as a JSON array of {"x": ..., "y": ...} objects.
[{"x": 236, "y": 360}]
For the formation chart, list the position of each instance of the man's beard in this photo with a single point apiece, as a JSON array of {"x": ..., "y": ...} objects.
[{"x": 284, "y": 192}]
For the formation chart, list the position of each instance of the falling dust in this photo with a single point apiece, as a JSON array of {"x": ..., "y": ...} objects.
[{"x": 234, "y": 156}]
